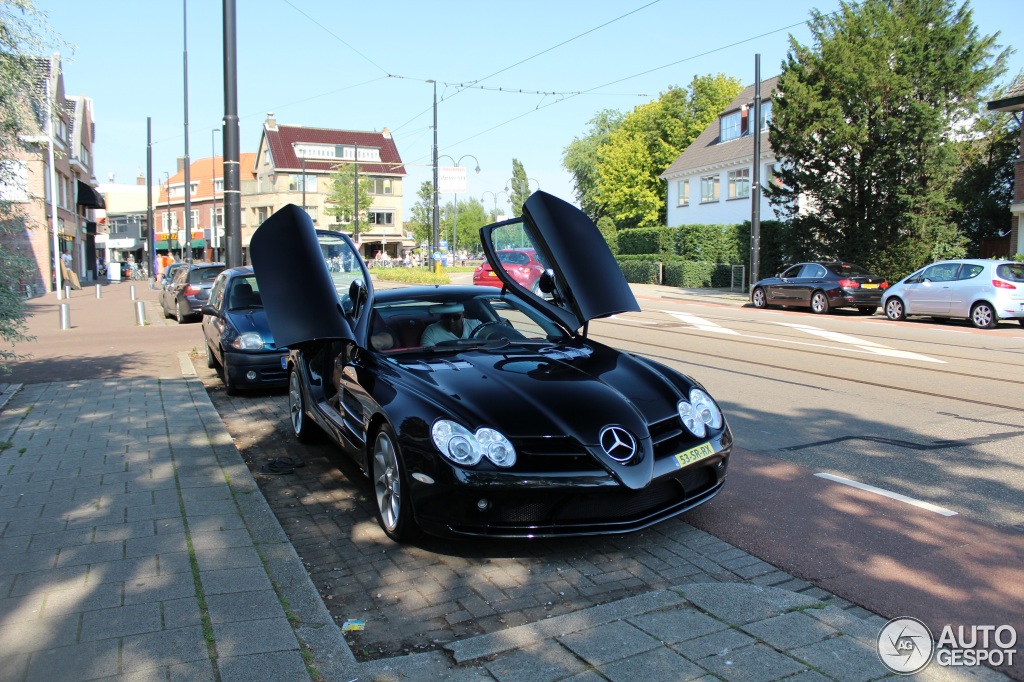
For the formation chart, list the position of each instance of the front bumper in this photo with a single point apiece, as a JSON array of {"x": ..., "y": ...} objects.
[
  {"x": 268, "y": 369},
  {"x": 566, "y": 504}
]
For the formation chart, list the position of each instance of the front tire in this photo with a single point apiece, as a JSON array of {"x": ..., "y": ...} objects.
[
  {"x": 895, "y": 310},
  {"x": 390, "y": 487},
  {"x": 759, "y": 298},
  {"x": 301, "y": 426},
  {"x": 230, "y": 385},
  {"x": 819, "y": 303},
  {"x": 983, "y": 316}
]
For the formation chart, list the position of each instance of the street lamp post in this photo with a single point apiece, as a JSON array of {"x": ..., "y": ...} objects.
[
  {"x": 214, "y": 237},
  {"x": 455, "y": 224},
  {"x": 494, "y": 216}
]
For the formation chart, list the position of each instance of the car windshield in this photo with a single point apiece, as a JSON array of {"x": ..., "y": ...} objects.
[
  {"x": 441, "y": 322},
  {"x": 245, "y": 294}
]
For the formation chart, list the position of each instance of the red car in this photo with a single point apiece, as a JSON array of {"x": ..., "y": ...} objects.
[{"x": 522, "y": 264}]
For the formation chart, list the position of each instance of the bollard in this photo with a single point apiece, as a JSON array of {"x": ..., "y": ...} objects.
[
  {"x": 67, "y": 292},
  {"x": 140, "y": 313},
  {"x": 133, "y": 292},
  {"x": 65, "y": 316},
  {"x": 99, "y": 291}
]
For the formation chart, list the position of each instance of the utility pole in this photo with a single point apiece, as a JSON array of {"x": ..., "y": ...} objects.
[
  {"x": 755, "y": 190},
  {"x": 232, "y": 176},
  {"x": 355, "y": 189},
  {"x": 187, "y": 256},
  {"x": 150, "y": 238},
  {"x": 436, "y": 247}
]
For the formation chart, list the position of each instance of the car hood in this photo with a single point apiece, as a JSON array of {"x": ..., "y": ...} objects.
[
  {"x": 252, "y": 320},
  {"x": 524, "y": 394},
  {"x": 295, "y": 284},
  {"x": 589, "y": 280}
]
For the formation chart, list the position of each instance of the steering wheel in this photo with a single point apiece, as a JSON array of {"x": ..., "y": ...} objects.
[{"x": 495, "y": 330}]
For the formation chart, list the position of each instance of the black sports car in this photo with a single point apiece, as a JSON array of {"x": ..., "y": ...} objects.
[
  {"x": 821, "y": 287},
  {"x": 478, "y": 411}
]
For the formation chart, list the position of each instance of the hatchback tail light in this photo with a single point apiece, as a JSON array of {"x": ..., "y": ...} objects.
[
  {"x": 190, "y": 291},
  {"x": 849, "y": 284},
  {"x": 1000, "y": 284},
  {"x": 884, "y": 284}
]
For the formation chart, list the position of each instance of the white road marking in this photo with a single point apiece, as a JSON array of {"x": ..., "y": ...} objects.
[
  {"x": 888, "y": 493},
  {"x": 869, "y": 346},
  {"x": 860, "y": 345},
  {"x": 701, "y": 323}
]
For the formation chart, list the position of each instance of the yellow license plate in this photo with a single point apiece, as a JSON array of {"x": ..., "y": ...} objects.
[
  {"x": 492, "y": 274},
  {"x": 688, "y": 457},
  {"x": 868, "y": 286}
]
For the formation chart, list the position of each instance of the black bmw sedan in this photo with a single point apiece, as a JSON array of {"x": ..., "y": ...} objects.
[
  {"x": 490, "y": 411},
  {"x": 821, "y": 287},
  {"x": 237, "y": 336}
]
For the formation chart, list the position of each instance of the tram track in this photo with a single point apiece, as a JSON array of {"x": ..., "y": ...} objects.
[{"x": 644, "y": 349}]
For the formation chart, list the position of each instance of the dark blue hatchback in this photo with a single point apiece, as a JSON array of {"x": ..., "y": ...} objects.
[{"x": 237, "y": 336}]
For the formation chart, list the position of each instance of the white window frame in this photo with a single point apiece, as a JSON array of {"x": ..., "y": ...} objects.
[
  {"x": 710, "y": 188},
  {"x": 683, "y": 189},
  {"x": 372, "y": 217},
  {"x": 739, "y": 183},
  {"x": 730, "y": 126}
]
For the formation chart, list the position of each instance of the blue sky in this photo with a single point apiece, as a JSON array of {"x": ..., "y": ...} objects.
[{"x": 364, "y": 66}]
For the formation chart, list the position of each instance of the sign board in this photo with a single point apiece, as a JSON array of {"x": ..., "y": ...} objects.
[
  {"x": 121, "y": 243},
  {"x": 451, "y": 179}
]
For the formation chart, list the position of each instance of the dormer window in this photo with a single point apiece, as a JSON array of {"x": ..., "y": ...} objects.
[{"x": 730, "y": 126}]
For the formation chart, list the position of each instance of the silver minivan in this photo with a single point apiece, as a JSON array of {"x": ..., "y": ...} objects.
[{"x": 983, "y": 291}]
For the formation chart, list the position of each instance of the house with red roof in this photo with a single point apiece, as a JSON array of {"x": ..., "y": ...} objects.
[{"x": 293, "y": 165}]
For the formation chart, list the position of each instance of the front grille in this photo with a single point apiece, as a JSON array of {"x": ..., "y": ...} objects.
[
  {"x": 552, "y": 455},
  {"x": 620, "y": 505},
  {"x": 669, "y": 437}
]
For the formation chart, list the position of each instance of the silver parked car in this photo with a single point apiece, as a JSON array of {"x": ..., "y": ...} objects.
[{"x": 983, "y": 291}]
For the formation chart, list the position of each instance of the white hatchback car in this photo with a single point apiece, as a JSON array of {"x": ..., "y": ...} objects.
[{"x": 983, "y": 291}]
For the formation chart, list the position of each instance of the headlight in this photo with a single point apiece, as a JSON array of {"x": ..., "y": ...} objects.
[
  {"x": 461, "y": 446},
  {"x": 691, "y": 420},
  {"x": 248, "y": 341},
  {"x": 701, "y": 412}
]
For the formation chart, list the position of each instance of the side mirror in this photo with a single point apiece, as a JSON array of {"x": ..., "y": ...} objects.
[
  {"x": 210, "y": 310},
  {"x": 356, "y": 297},
  {"x": 547, "y": 281}
]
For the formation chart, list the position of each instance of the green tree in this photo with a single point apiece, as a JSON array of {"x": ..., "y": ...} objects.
[
  {"x": 341, "y": 197},
  {"x": 983, "y": 190},
  {"x": 421, "y": 222},
  {"x": 863, "y": 119},
  {"x": 581, "y": 159},
  {"x": 519, "y": 189},
  {"x": 23, "y": 35},
  {"x": 471, "y": 217},
  {"x": 608, "y": 231},
  {"x": 628, "y": 187}
]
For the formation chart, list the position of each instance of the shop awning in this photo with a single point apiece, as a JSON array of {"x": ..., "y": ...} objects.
[{"x": 89, "y": 197}]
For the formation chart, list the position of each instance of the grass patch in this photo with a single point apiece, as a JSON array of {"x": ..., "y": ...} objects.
[
  {"x": 5, "y": 444},
  {"x": 411, "y": 276},
  {"x": 815, "y": 605}
]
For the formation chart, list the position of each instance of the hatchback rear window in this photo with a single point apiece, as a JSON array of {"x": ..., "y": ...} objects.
[
  {"x": 203, "y": 275},
  {"x": 1013, "y": 272}
]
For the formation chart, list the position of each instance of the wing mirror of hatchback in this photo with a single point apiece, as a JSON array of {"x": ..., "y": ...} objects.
[
  {"x": 210, "y": 310},
  {"x": 547, "y": 281}
]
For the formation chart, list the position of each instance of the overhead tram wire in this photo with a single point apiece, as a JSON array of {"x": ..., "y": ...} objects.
[
  {"x": 626, "y": 78},
  {"x": 337, "y": 37}
]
